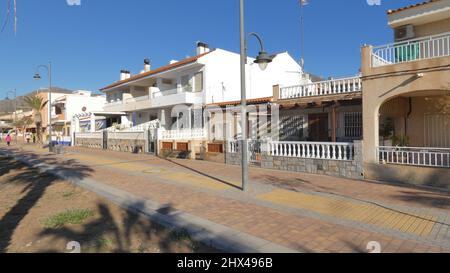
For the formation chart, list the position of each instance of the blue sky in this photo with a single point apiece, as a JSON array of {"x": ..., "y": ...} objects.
[{"x": 89, "y": 44}]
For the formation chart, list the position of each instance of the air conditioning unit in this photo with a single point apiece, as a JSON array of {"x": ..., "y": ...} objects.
[{"x": 404, "y": 33}]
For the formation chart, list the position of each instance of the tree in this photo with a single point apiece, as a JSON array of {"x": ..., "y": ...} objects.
[{"x": 37, "y": 104}]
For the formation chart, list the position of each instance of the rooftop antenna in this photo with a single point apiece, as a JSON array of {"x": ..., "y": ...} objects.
[
  {"x": 8, "y": 12},
  {"x": 302, "y": 3}
]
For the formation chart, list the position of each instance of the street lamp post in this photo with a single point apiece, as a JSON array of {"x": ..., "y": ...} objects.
[
  {"x": 37, "y": 76},
  {"x": 262, "y": 60}
]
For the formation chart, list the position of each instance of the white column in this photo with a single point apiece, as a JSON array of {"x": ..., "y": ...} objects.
[{"x": 93, "y": 123}]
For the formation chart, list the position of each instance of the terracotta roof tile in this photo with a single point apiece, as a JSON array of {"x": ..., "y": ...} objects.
[
  {"x": 156, "y": 71},
  {"x": 411, "y": 6},
  {"x": 238, "y": 102}
]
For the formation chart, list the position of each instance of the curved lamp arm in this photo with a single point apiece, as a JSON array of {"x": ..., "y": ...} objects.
[
  {"x": 36, "y": 75},
  {"x": 259, "y": 40}
]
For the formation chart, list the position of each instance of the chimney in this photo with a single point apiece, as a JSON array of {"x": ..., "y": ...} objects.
[
  {"x": 202, "y": 48},
  {"x": 123, "y": 74},
  {"x": 147, "y": 65},
  {"x": 127, "y": 74}
]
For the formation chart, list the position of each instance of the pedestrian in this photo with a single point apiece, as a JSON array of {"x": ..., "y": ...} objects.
[
  {"x": 34, "y": 138},
  {"x": 8, "y": 139},
  {"x": 28, "y": 137}
]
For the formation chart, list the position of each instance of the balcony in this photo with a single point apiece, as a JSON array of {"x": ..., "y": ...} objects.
[
  {"x": 157, "y": 99},
  {"x": 175, "y": 97},
  {"x": 431, "y": 47},
  {"x": 323, "y": 88}
]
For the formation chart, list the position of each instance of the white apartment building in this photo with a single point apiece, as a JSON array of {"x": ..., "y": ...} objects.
[
  {"x": 65, "y": 107},
  {"x": 212, "y": 76}
]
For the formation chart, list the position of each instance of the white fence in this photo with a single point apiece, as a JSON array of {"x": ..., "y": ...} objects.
[
  {"x": 96, "y": 135},
  {"x": 415, "y": 156},
  {"x": 412, "y": 50},
  {"x": 186, "y": 134},
  {"x": 126, "y": 136},
  {"x": 314, "y": 150},
  {"x": 323, "y": 88}
]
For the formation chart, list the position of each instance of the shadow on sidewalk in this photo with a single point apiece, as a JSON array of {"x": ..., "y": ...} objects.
[
  {"x": 35, "y": 185},
  {"x": 204, "y": 174},
  {"x": 108, "y": 233}
]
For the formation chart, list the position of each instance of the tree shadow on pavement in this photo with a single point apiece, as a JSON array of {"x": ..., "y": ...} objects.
[
  {"x": 35, "y": 184},
  {"x": 120, "y": 231}
]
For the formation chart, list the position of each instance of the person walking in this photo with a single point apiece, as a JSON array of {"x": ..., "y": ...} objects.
[
  {"x": 8, "y": 140},
  {"x": 34, "y": 138},
  {"x": 28, "y": 137}
]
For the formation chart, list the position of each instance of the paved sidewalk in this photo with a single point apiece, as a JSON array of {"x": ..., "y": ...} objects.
[{"x": 301, "y": 212}]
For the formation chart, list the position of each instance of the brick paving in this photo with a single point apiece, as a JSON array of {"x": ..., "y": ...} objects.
[{"x": 231, "y": 208}]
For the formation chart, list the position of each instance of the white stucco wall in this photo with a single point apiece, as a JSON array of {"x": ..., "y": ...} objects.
[{"x": 222, "y": 76}]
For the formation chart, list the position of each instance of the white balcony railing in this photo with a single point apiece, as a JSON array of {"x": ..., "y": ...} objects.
[
  {"x": 323, "y": 88},
  {"x": 315, "y": 150},
  {"x": 164, "y": 93},
  {"x": 184, "y": 134},
  {"x": 415, "y": 156},
  {"x": 113, "y": 103},
  {"x": 137, "y": 99},
  {"x": 412, "y": 50}
]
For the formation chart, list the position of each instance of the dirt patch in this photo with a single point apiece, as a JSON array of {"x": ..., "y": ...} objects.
[{"x": 29, "y": 200}]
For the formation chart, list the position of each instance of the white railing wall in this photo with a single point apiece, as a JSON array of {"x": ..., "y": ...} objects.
[
  {"x": 163, "y": 93},
  {"x": 137, "y": 99},
  {"x": 126, "y": 135},
  {"x": 315, "y": 150},
  {"x": 184, "y": 134},
  {"x": 323, "y": 88},
  {"x": 96, "y": 135},
  {"x": 412, "y": 50},
  {"x": 415, "y": 156}
]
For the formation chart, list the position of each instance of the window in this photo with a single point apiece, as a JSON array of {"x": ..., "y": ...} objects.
[
  {"x": 353, "y": 125},
  {"x": 198, "y": 82},
  {"x": 437, "y": 130},
  {"x": 186, "y": 83},
  {"x": 291, "y": 128}
]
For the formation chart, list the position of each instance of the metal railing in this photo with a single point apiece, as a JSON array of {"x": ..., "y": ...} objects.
[
  {"x": 412, "y": 50},
  {"x": 322, "y": 88},
  {"x": 414, "y": 156}
]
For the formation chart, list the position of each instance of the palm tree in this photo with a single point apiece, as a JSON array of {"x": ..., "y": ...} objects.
[
  {"x": 37, "y": 104},
  {"x": 23, "y": 124}
]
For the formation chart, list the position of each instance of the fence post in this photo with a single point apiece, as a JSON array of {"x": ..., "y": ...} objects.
[{"x": 105, "y": 139}]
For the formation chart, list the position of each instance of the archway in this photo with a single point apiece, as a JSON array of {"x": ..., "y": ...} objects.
[{"x": 414, "y": 129}]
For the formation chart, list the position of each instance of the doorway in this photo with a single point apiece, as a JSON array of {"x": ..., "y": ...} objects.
[{"x": 318, "y": 127}]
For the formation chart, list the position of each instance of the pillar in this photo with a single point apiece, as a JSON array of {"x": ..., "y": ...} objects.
[{"x": 93, "y": 125}]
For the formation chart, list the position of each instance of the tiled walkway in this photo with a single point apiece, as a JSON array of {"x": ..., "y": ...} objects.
[{"x": 304, "y": 212}]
